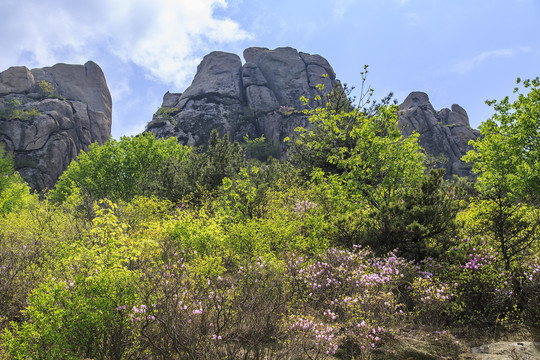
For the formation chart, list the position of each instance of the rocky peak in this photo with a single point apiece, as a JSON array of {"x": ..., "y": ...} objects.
[
  {"x": 445, "y": 133},
  {"x": 48, "y": 115},
  {"x": 253, "y": 98},
  {"x": 416, "y": 99},
  {"x": 218, "y": 75}
]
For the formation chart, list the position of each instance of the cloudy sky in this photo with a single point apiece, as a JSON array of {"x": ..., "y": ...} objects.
[{"x": 459, "y": 51}]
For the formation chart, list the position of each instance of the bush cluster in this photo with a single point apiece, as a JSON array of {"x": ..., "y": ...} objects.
[{"x": 150, "y": 249}]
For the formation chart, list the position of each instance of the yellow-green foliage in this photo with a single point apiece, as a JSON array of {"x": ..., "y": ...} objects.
[
  {"x": 517, "y": 227},
  {"x": 77, "y": 315},
  {"x": 48, "y": 90},
  {"x": 12, "y": 111},
  {"x": 108, "y": 243},
  {"x": 14, "y": 192},
  {"x": 259, "y": 265}
]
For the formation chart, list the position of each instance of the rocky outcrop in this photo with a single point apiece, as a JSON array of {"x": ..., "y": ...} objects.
[
  {"x": 262, "y": 96},
  {"x": 48, "y": 115},
  {"x": 443, "y": 134},
  {"x": 254, "y": 99}
]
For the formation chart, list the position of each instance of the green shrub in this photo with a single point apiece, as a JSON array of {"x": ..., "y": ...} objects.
[
  {"x": 48, "y": 90},
  {"x": 83, "y": 316},
  {"x": 12, "y": 111},
  {"x": 261, "y": 149},
  {"x": 14, "y": 192},
  {"x": 118, "y": 170}
]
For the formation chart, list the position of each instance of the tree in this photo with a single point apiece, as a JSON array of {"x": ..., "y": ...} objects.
[
  {"x": 421, "y": 224},
  {"x": 201, "y": 171},
  {"x": 118, "y": 170},
  {"x": 362, "y": 160},
  {"x": 338, "y": 101},
  {"x": 507, "y": 161}
]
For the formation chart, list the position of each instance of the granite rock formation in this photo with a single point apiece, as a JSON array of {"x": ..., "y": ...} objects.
[
  {"x": 48, "y": 115},
  {"x": 445, "y": 133},
  {"x": 257, "y": 98},
  {"x": 253, "y": 99}
]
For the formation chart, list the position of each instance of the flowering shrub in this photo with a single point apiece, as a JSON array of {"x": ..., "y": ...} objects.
[
  {"x": 228, "y": 315},
  {"x": 351, "y": 297},
  {"x": 317, "y": 340},
  {"x": 530, "y": 293},
  {"x": 76, "y": 317},
  {"x": 483, "y": 289},
  {"x": 302, "y": 206},
  {"x": 197, "y": 284},
  {"x": 432, "y": 299}
]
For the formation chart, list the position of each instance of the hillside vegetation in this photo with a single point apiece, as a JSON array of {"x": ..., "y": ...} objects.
[{"x": 148, "y": 249}]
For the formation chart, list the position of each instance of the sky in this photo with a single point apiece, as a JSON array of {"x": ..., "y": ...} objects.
[{"x": 457, "y": 51}]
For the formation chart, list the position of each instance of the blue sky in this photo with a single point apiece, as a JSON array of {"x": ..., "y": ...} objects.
[{"x": 458, "y": 51}]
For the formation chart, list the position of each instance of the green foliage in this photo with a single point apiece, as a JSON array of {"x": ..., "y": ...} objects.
[
  {"x": 196, "y": 234},
  {"x": 507, "y": 156},
  {"x": 118, "y": 170},
  {"x": 366, "y": 170},
  {"x": 82, "y": 316},
  {"x": 199, "y": 173},
  {"x": 81, "y": 309},
  {"x": 222, "y": 158},
  {"x": 48, "y": 90},
  {"x": 507, "y": 161},
  {"x": 14, "y": 192},
  {"x": 246, "y": 194},
  {"x": 261, "y": 149},
  {"x": 108, "y": 244},
  {"x": 482, "y": 289},
  {"x": 167, "y": 112},
  {"x": 420, "y": 224},
  {"x": 364, "y": 148},
  {"x": 512, "y": 228},
  {"x": 12, "y": 111}
]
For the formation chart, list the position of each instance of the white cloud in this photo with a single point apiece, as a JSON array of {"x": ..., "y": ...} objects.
[
  {"x": 467, "y": 65},
  {"x": 165, "y": 37},
  {"x": 413, "y": 19},
  {"x": 340, "y": 8}
]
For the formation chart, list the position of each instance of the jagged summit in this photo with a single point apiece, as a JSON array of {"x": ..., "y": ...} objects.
[
  {"x": 442, "y": 133},
  {"x": 416, "y": 98},
  {"x": 239, "y": 99}
]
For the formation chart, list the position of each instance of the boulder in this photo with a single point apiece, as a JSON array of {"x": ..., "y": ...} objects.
[
  {"x": 46, "y": 129},
  {"x": 16, "y": 79}
]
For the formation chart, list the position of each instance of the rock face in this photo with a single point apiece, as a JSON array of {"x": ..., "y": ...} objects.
[
  {"x": 48, "y": 115},
  {"x": 442, "y": 133},
  {"x": 256, "y": 98}
]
